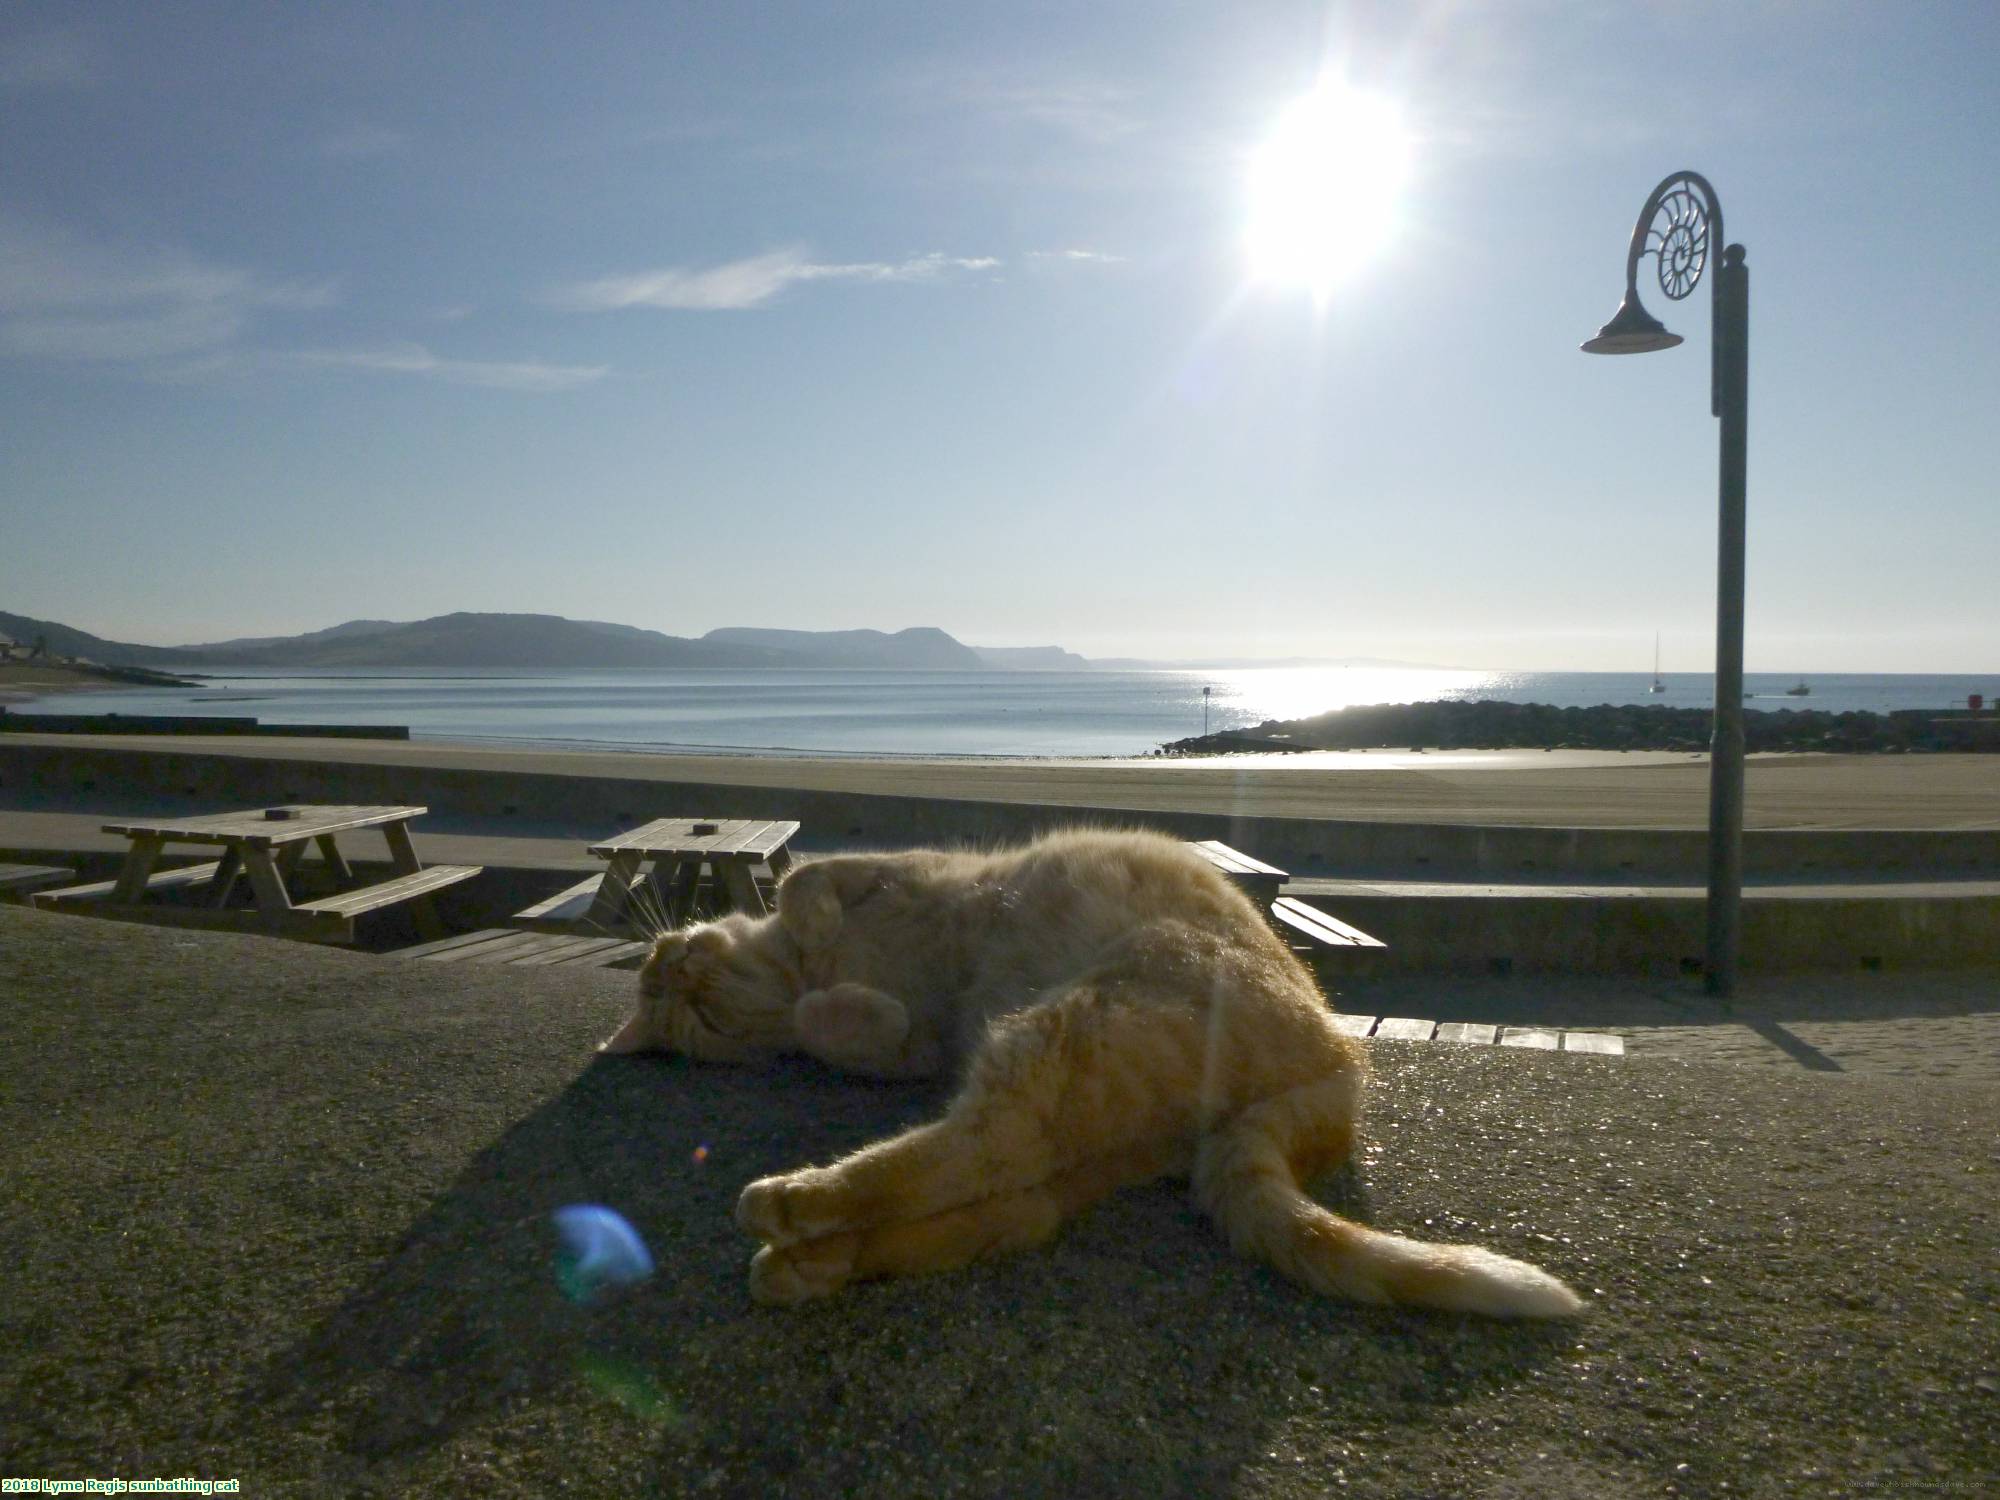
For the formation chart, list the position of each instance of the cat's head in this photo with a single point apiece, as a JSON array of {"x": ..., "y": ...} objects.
[{"x": 722, "y": 992}]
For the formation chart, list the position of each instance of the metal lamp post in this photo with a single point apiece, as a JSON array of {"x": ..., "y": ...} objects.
[{"x": 1679, "y": 223}]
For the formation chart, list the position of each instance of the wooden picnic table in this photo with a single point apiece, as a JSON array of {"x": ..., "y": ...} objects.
[
  {"x": 672, "y": 853},
  {"x": 266, "y": 846}
]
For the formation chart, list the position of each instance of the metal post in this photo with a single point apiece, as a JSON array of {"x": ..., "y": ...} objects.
[
  {"x": 1675, "y": 228},
  {"x": 1725, "y": 776}
]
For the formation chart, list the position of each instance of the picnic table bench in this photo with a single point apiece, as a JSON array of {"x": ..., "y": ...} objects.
[
  {"x": 266, "y": 846},
  {"x": 1326, "y": 935},
  {"x": 19, "y": 882}
]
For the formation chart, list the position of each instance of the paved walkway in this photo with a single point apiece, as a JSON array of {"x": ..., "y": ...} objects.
[{"x": 282, "y": 1215}]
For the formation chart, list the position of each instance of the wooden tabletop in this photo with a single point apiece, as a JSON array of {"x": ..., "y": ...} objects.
[
  {"x": 258, "y": 829},
  {"x": 702, "y": 838}
]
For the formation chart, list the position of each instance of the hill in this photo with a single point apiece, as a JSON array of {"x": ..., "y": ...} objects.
[
  {"x": 469, "y": 639},
  {"x": 923, "y": 647}
]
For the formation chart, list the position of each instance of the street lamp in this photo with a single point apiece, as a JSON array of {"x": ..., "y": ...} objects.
[{"x": 1679, "y": 223}]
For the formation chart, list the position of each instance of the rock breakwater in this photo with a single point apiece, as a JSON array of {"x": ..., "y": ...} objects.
[{"x": 1488, "y": 724}]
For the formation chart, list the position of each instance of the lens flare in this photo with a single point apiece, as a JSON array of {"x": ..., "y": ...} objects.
[{"x": 600, "y": 1251}]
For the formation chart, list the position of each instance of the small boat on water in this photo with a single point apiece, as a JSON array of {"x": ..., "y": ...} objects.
[
  {"x": 1801, "y": 691},
  {"x": 1658, "y": 686}
]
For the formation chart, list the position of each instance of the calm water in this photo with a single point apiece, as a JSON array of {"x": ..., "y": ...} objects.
[{"x": 923, "y": 713}]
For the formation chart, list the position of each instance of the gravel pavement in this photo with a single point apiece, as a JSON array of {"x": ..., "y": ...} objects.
[{"x": 279, "y": 1214}]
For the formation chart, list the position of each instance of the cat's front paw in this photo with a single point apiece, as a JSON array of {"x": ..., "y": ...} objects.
[
  {"x": 795, "y": 1206},
  {"x": 782, "y": 1275}
]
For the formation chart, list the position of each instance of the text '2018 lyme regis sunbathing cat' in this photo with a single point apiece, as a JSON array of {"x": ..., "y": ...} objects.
[{"x": 1117, "y": 1011}]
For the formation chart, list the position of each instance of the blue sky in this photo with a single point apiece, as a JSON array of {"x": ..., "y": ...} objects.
[{"x": 822, "y": 317}]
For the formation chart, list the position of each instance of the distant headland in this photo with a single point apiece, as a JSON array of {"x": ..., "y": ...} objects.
[{"x": 553, "y": 642}]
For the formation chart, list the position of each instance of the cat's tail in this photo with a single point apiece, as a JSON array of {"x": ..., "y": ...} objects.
[{"x": 1247, "y": 1174}]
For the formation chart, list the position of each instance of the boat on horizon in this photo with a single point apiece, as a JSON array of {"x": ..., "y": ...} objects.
[
  {"x": 1801, "y": 691},
  {"x": 1658, "y": 686}
]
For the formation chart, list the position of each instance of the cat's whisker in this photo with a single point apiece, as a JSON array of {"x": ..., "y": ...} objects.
[{"x": 649, "y": 911}]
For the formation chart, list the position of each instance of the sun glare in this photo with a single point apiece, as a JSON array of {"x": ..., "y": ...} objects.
[{"x": 1326, "y": 188}]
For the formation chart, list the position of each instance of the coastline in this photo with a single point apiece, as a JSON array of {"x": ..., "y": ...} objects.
[{"x": 24, "y": 682}]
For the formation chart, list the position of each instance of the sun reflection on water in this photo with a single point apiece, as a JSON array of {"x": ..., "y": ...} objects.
[{"x": 1251, "y": 695}]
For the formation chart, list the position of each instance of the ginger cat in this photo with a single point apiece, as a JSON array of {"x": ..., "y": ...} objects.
[{"x": 1116, "y": 1010}]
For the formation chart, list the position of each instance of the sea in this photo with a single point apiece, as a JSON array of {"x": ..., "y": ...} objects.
[{"x": 996, "y": 714}]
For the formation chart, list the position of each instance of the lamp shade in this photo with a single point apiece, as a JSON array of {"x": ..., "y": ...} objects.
[{"x": 1632, "y": 330}]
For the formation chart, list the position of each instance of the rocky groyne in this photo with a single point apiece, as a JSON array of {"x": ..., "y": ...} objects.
[{"x": 1491, "y": 725}]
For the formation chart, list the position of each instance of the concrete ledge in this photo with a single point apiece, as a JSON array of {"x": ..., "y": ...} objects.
[{"x": 1577, "y": 931}]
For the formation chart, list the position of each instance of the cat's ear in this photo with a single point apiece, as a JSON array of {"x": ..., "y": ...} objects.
[{"x": 703, "y": 951}]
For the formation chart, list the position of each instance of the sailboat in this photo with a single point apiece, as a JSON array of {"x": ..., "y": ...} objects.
[{"x": 1658, "y": 686}]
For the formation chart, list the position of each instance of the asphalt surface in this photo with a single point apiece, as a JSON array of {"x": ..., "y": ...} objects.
[{"x": 280, "y": 1215}]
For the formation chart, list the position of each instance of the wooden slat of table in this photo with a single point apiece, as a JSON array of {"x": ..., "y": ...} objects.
[
  {"x": 259, "y": 831},
  {"x": 1323, "y": 928},
  {"x": 26, "y": 878},
  {"x": 1355, "y": 1025},
  {"x": 1235, "y": 861},
  {"x": 1537, "y": 1037},
  {"x": 565, "y": 906},
  {"x": 388, "y": 893},
  {"x": 101, "y": 890},
  {"x": 755, "y": 838},
  {"x": 599, "y": 958},
  {"x": 443, "y": 948},
  {"x": 557, "y": 947}
]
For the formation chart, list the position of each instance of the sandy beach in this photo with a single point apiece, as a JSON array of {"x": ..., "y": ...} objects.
[{"x": 1557, "y": 788}]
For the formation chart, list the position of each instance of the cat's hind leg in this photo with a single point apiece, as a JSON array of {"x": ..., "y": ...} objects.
[
  {"x": 957, "y": 1237},
  {"x": 1081, "y": 1076}
]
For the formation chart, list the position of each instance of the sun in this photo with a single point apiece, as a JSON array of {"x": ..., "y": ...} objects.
[{"x": 1326, "y": 188}]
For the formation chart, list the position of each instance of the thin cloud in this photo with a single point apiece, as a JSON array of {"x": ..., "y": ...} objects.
[
  {"x": 416, "y": 360},
  {"x": 1083, "y": 109},
  {"x": 62, "y": 297},
  {"x": 751, "y": 282},
  {"x": 1075, "y": 258}
]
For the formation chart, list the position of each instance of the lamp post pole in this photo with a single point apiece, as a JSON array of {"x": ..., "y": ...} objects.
[{"x": 1675, "y": 227}]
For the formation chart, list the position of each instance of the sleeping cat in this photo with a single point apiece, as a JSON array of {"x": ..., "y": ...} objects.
[{"x": 1116, "y": 1011}]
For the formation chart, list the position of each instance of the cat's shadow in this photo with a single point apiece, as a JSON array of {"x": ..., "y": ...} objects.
[{"x": 1135, "y": 1354}]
